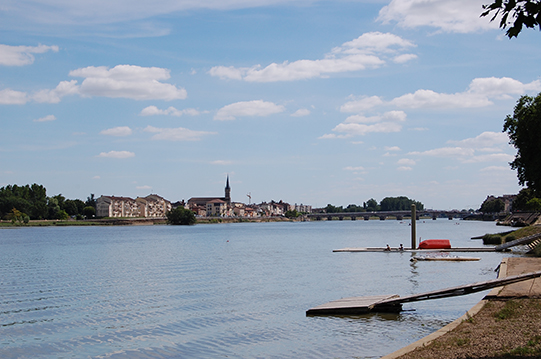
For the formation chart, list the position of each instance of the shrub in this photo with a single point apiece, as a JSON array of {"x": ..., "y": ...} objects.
[{"x": 492, "y": 239}]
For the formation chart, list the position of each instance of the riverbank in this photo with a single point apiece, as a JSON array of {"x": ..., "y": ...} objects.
[
  {"x": 505, "y": 324},
  {"x": 142, "y": 221}
]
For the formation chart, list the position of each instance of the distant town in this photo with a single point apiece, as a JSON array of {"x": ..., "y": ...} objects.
[{"x": 155, "y": 206}]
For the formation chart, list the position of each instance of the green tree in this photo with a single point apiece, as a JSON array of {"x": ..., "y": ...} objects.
[
  {"x": 180, "y": 216},
  {"x": 292, "y": 214},
  {"x": 522, "y": 198},
  {"x": 518, "y": 12},
  {"x": 493, "y": 205},
  {"x": 91, "y": 201},
  {"x": 401, "y": 203},
  {"x": 371, "y": 205},
  {"x": 332, "y": 209},
  {"x": 524, "y": 130},
  {"x": 534, "y": 204},
  {"x": 89, "y": 212}
]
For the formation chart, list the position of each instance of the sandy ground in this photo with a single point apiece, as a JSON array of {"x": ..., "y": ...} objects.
[{"x": 502, "y": 329}]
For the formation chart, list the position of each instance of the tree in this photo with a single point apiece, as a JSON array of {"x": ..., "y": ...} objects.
[
  {"x": 493, "y": 205},
  {"x": 524, "y": 130},
  {"x": 91, "y": 201},
  {"x": 371, "y": 205},
  {"x": 89, "y": 212},
  {"x": 180, "y": 216},
  {"x": 292, "y": 214},
  {"x": 523, "y": 13}
]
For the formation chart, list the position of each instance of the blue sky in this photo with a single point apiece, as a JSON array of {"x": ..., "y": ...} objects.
[{"x": 310, "y": 102}]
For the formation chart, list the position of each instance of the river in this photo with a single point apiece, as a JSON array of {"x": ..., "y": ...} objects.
[{"x": 224, "y": 291}]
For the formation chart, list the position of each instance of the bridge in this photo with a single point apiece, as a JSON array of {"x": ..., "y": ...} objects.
[{"x": 383, "y": 215}]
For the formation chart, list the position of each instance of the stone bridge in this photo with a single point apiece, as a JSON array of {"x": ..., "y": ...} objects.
[{"x": 383, "y": 215}]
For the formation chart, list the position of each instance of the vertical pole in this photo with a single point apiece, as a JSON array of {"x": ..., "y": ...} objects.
[{"x": 413, "y": 230}]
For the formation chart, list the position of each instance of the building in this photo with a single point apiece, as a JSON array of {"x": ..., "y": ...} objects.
[
  {"x": 215, "y": 206},
  {"x": 151, "y": 206}
]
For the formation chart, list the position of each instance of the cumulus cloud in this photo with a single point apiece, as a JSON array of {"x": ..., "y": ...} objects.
[
  {"x": 257, "y": 108},
  {"x": 358, "y": 125},
  {"x": 487, "y": 147},
  {"x": 46, "y": 118},
  {"x": 301, "y": 112},
  {"x": 64, "y": 88},
  {"x": 459, "y": 16},
  {"x": 404, "y": 168},
  {"x": 370, "y": 50},
  {"x": 117, "y": 131},
  {"x": 22, "y": 55},
  {"x": 128, "y": 81},
  {"x": 406, "y": 161},
  {"x": 362, "y": 104},
  {"x": 12, "y": 97},
  {"x": 117, "y": 154},
  {"x": 170, "y": 111},
  {"x": 176, "y": 134},
  {"x": 479, "y": 93}
]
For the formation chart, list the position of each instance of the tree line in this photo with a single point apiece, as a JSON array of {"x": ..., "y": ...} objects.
[
  {"x": 401, "y": 203},
  {"x": 23, "y": 203}
]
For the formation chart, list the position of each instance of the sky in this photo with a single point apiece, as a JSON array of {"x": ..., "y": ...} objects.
[{"x": 312, "y": 102}]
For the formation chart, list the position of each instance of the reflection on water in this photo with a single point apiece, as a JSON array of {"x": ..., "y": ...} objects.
[{"x": 237, "y": 291}]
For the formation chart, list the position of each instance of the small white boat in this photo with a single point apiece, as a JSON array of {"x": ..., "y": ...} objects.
[{"x": 434, "y": 257}]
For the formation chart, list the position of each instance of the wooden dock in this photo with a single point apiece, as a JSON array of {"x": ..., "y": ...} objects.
[
  {"x": 393, "y": 303},
  {"x": 395, "y": 250}
]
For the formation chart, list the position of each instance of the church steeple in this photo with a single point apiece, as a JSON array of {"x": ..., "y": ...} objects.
[{"x": 227, "y": 190}]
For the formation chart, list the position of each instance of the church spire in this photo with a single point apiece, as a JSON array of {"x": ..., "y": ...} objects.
[{"x": 227, "y": 190}]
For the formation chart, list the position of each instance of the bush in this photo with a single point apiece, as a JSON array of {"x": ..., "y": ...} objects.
[
  {"x": 180, "y": 216},
  {"x": 492, "y": 239}
]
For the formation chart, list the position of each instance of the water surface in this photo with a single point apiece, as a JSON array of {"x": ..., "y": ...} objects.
[{"x": 223, "y": 291}]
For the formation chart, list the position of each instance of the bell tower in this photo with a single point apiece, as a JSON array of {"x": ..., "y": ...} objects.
[{"x": 227, "y": 191}]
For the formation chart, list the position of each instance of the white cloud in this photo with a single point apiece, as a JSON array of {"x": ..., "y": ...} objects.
[
  {"x": 361, "y": 125},
  {"x": 484, "y": 140},
  {"x": 501, "y": 87},
  {"x": 64, "y": 88},
  {"x": 176, "y": 134},
  {"x": 107, "y": 12},
  {"x": 301, "y": 112},
  {"x": 221, "y": 162},
  {"x": 406, "y": 161},
  {"x": 257, "y": 108},
  {"x": 46, "y": 118},
  {"x": 404, "y": 168},
  {"x": 487, "y": 147},
  {"x": 128, "y": 81},
  {"x": 143, "y": 187},
  {"x": 401, "y": 59},
  {"x": 171, "y": 111},
  {"x": 117, "y": 131},
  {"x": 22, "y": 55},
  {"x": 351, "y": 168},
  {"x": 361, "y": 105},
  {"x": 369, "y": 50},
  {"x": 393, "y": 148},
  {"x": 461, "y": 16},
  {"x": 12, "y": 97},
  {"x": 431, "y": 99},
  {"x": 117, "y": 154},
  {"x": 96, "y": 177},
  {"x": 479, "y": 94},
  {"x": 447, "y": 152}
]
